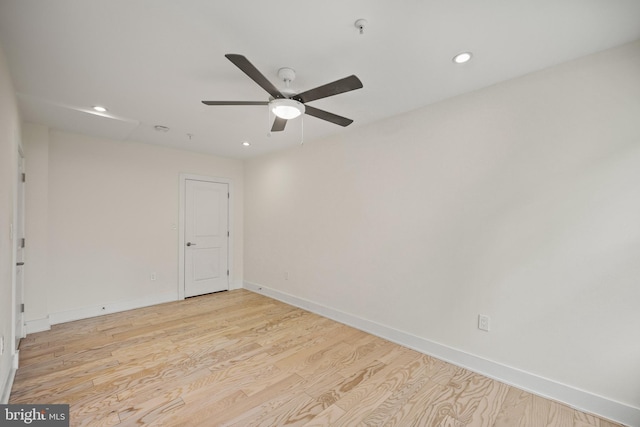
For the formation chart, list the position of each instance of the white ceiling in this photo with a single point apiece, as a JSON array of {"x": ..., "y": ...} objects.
[{"x": 151, "y": 62}]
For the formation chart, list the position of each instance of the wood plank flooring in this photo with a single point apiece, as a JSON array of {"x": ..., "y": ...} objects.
[{"x": 241, "y": 359}]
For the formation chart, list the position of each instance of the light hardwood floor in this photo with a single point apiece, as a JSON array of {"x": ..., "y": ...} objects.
[{"x": 242, "y": 359}]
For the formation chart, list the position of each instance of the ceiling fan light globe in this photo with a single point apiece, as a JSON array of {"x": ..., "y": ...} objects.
[
  {"x": 287, "y": 108},
  {"x": 286, "y": 112}
]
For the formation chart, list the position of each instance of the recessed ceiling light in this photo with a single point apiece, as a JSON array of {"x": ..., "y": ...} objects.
[
  {"x": 461, "y": 58},
  {"x": 99, "y": 109},
  {"x": 246, "y": 143},
  {"x": 161, "y": 128}
]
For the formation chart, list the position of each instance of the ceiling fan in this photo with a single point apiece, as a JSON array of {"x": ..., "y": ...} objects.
[{"x": 287, "y": 105}]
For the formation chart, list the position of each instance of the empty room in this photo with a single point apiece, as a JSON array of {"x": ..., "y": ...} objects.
[{"x": 320, "y": 213}]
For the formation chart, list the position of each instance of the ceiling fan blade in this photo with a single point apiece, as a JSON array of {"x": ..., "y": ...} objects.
[
  {"x": 235, "y": 102},
  {"x": 339, "y": 86},
  {"x": 255, "y": 75},
  {"x": 278, "y": 124},
  {"x": 325, "y": 115}
]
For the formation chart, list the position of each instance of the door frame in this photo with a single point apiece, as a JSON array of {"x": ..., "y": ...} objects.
[
  {"x": 18, "y": 231},
  {"x": 181, "y": 223}
]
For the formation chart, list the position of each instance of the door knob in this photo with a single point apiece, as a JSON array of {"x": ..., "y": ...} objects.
[
  {"x": 190, "y": 244},
  {"x": 19, "y": 263}
]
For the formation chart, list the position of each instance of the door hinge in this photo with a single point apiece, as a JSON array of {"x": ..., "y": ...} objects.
[
  {"x": 22, "y": 242},
  {"x": 24, "y": 177},
  {"x": 228, "y": 233},
  {"x": 227, "y": 272},
  {"x": 22, "y": 308},
  {"x": 228, "y": 195}
]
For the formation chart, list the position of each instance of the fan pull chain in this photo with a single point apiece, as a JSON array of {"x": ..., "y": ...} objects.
[
  {"x": 268, "y": 121},
  {"x": 302, "y": 130}
]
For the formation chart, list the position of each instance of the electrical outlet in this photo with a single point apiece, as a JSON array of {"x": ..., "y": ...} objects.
[
  {"x": 286, "y": 275},
  {"x": 153, "y": 277},
  {"x": 483, "y": 322}
]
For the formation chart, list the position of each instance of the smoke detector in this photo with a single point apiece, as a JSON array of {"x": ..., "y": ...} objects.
[{"x": 360, "y": 24}]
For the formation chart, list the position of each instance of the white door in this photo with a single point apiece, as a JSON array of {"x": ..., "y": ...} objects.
[
  {"x": 20, "y": 243},
  {"x": 206, "y": 237}
]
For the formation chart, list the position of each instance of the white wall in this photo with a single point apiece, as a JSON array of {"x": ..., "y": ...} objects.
[
  {"x": 520, "y": 201},
  {"x": 9, "y": 142},
  {"x": 110, "y": 211}
]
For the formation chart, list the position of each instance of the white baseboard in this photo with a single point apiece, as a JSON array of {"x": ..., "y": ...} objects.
[
  {"x": 38, "y": 325},
  {"x": 8, "y": 383},
  {"x": 576, "y": 398},
  {"x": 108, "y": 308}
]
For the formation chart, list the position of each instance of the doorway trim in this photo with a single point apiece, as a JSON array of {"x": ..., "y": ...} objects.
[
  {"x": 181, "y": 223},
  {"x": 18, "y": 240}
]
